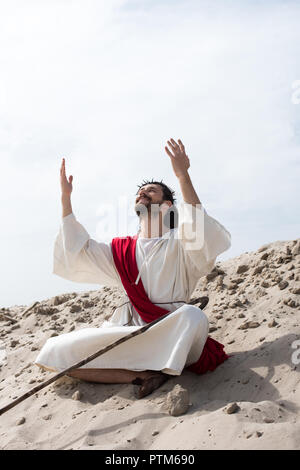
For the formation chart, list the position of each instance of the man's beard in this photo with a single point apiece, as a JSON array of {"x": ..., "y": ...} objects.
[
  {"x": 153, "y": 210},
  {"x": 143, "y": 209}
]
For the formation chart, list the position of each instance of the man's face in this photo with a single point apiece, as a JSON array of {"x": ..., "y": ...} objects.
[{"x": 149, "y": 194}]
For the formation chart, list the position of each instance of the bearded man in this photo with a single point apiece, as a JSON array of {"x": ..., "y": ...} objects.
[{"x": 157, "y": 269}]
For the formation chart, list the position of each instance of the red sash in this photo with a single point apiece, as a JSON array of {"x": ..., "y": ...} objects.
[{"x": 123, "y": 250}]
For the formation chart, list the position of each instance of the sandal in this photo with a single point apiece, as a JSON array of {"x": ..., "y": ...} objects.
[{"x": 148, "y": 385}]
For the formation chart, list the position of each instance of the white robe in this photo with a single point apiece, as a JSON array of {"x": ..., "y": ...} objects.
[{"x": 170, "y": 269}]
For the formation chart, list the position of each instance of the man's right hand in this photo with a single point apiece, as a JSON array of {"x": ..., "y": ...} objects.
[{"x": 66, "y": 186}]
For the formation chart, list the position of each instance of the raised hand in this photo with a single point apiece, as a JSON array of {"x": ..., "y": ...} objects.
[
  {"x": 180, "y": 161},
  {"x": 66, "y": 186}
]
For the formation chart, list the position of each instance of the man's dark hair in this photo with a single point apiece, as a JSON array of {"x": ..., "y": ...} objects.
[
  {"x": 168, "y": 193},
  {"x": 171, "y": 218}
]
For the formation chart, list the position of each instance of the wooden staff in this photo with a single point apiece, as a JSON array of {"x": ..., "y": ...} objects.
[{"x": 88, "y": 359}]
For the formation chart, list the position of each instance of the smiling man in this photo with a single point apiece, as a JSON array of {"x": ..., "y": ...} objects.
[
  {"x": 158, "y": 270},
  {"x": 154, "y": 202}
]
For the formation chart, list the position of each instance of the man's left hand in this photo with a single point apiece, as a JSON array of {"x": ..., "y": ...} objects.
[{"x": 180, "y": 161}]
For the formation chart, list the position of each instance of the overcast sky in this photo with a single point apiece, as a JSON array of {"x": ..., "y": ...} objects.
[{"x": 106, "y": 83}]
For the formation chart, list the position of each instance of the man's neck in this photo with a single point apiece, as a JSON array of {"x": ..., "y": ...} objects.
[{"x": 152, "y": 227}]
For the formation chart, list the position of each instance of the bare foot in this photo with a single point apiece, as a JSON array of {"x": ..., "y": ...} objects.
[{"x": 148, "y": 385}]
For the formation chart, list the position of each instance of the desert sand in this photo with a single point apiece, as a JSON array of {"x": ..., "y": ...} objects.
[{"x": 251, "y": 401}]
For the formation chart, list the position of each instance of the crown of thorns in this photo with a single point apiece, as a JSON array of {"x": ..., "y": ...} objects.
[{"x": 168, "y": 193}]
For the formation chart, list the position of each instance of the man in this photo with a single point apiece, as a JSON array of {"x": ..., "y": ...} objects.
[{"x": 158, "y": 270}]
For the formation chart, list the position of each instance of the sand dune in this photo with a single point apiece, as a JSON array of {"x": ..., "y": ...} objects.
[{"x": 254, "y": 309}]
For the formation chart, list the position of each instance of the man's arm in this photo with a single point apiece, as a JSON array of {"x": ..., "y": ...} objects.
[
  {"x": 66, "y": 189},
  {"x": 211, "y": 238},
  {"x": 187, "y": 189},
  {"x": 66, "y": 205},
  {"x": 181, "y": 163},
  {"x": 77, "y": 257}
]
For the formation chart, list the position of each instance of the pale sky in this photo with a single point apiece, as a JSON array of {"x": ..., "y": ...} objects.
[{"x": 106, "y": 83}]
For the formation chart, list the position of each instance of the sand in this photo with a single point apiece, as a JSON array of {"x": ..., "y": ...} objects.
[{"x": 251, "y": 401}]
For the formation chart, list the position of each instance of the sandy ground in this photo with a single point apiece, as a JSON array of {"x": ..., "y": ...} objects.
[{"x": 254, "y": 310}]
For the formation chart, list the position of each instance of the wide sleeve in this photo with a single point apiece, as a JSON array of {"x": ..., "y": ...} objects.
[
  {"x": 202, "y": 237},
  {"x": 79, "y": 258}
]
